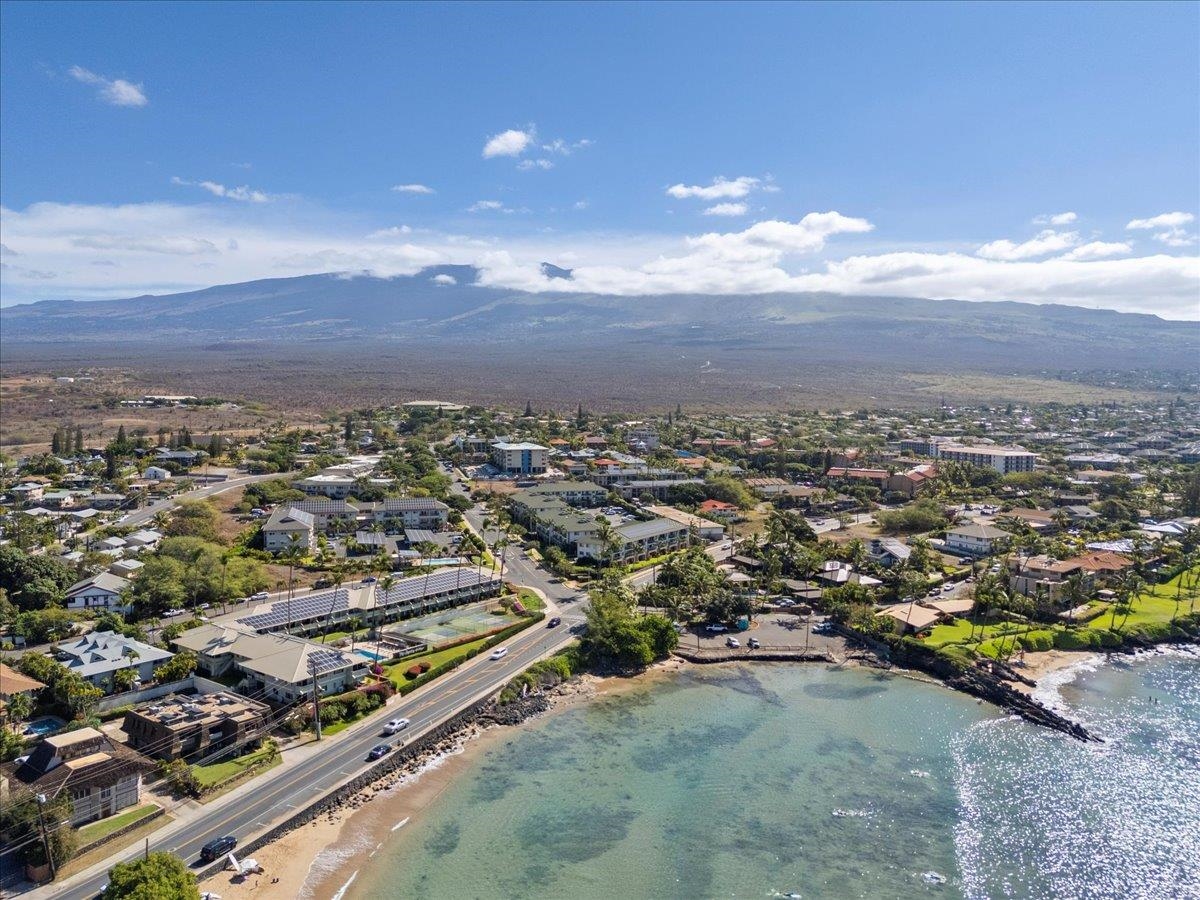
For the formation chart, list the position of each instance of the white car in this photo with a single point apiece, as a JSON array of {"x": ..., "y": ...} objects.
[
  {"x": 396, "y": 725},
  {"x": 715, "y": 629},
  {"x": 732, "y": 642},
  {"x": 499, "y": 653}
]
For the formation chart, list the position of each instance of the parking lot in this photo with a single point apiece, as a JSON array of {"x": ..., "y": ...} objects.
[{"x": 775, "y": 630}]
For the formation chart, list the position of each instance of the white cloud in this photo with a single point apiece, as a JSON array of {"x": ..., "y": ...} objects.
[
  {"x": 394, "y": 231},
  {"x": 114, "y": 91},
  {"x": 566, "y": 148},
  {"x": 508, "y": 143},
  {"x": 1098, "y": 250},
  {"x": 727, "y": 209},
  {"x": 122, "y": 251},
  {"x": 242, "y": 193},
  {"x": 1048, "y": 241},
  {"x": 527, "y": 165},
  {"x": 720, "y": 189},
  {"x": 1175, "y": 234},
  {"x": 413, "y": 189},
  {"x": 1066, "y": 218},
  {"x": 1165, "y": 220},
  {"x": 485, "y": 205},
  {"x": 444, "y": 279},
  {"x": 580, "y": 204}
]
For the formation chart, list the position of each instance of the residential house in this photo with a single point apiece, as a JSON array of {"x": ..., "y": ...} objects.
[
  {"x": 97, "y": 656},
  {"x": 888, "y": 551},
  {"x": 101, "y": 776},
  {"x": 1046, "y": 577},
  {"x": 156, "y": 473},
  {"x": 103, "y": 591},
  {"x": 192, "y": 727},
  {"x": 976, "y": 539},
  {"x": 146, "y": 538},
  {"x": 718, "y": 509}
]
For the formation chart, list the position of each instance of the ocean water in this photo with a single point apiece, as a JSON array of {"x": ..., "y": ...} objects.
[
  {"x": 778, "y": 780},
  {"x": 1045, "y": 817}
]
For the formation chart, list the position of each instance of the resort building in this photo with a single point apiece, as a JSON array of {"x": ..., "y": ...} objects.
[{"x": 976, "y": 540}]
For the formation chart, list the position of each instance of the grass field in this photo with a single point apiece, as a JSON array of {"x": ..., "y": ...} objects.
[
  {"x": 215, "y": 773},
  {"x": 435, "y": 658},
  {"x": 1153, "y": 607},
  {"x": 95, "y": 831}
]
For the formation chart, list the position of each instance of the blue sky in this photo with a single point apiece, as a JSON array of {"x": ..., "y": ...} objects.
[{"x": 931, "y": 150}]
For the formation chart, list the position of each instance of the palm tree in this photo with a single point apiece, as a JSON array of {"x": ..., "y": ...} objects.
[{"x": 1073, "y": 593}]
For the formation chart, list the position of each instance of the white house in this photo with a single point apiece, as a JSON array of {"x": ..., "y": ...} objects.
[
  {"x": 101, "y": 591},
  {"x": 976, "y": 539},
  {"x": 97, "y": 656},
  {"x": 156, "y": 473},
  {"x": 288, "y": 528}
]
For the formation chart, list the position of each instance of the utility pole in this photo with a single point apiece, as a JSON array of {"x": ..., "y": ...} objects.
[
  {"x": 316, "y": 694},
  {"x": 41, "y": 799}
]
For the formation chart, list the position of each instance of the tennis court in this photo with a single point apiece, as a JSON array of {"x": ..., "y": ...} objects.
[{"x": 452, "y": 624}]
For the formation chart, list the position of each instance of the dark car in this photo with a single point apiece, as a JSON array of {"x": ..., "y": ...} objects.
[
  {"x": 554, "y": 623},
  {"x": 215, "y": 849},
  {"x": 379, "y": 752},
  {"x": 578, "y": 629}
]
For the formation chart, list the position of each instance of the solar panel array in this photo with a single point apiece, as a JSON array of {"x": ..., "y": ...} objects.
[
  {"x": 284, "y": 613},
  {"x": 437, "y": 583},
  {"x": 322, "y": 661}
]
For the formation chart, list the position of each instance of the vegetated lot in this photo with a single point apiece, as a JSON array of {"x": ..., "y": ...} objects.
[
  {"x": 1152, "y": 611},
  {"x": 396, "y": 673},
  {"x": 95, "y": 831},
  {"x": 218, "y": 772}
]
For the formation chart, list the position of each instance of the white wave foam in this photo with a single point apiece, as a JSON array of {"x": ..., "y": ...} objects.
[
  {"x": 1048, "y": 687},
  {"x": 341, "y": 892},
  {"x": 400, "y": 824}
]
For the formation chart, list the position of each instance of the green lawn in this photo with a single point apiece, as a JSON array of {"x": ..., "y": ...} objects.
[
  {"x": 1155, "y": 606},
  {"x": 435, "y": 658},
  {"x": 89, "y": 834},
  {"x": 531, "y": 601},
  {"x": 215, "y": 773}
]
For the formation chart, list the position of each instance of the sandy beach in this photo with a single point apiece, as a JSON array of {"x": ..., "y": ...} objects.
[
  {"x": 1040, "y": 664},
  {"x": 318, "y": 860}
]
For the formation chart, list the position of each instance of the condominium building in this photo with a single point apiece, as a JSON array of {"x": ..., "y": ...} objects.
[
  {"x": 192, "y": 727},
  {"x": 1004, "y": 460},
  {"x": 521, "y": 458}
]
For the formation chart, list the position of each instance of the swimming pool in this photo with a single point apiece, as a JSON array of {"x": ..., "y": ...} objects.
[
  {"x": 44, "y": 726},
  {"x": 378, "y": 657}
]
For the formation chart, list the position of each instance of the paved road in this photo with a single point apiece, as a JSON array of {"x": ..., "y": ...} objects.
[
  {"x": 146, "y": 513},
  {"x": 317, "y": 769}
]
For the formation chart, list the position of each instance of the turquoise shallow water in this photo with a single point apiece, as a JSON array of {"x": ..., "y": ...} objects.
[{"x": 776, "y": 779}]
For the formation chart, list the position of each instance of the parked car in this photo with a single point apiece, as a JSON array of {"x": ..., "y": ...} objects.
[
  {"x": 396, "y": 725},
  {"x": 822, "y": 628},
  {"x": 260, "y": 596},
  {"x": 786, "y": 603},
  {"x": 171, "y": 613},
  {"x": 217, "y": 848},
  {"x": 379, "y": 751},
  {"x": 753, "y": 643},
  {"x": 554, "y": 622},
  {"x": 499, "y": 653},
  {"x": 715, "y": 628},
  {"x": 732, "y": 642},
  {"x": 370, "y": 579}
]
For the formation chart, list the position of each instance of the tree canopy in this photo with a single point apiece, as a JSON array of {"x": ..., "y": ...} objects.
[{"x": 159, "y": 876}]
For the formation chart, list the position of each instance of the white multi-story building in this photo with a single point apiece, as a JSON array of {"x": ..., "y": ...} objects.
[
  {"x": 336, "y": 487},
  {"x": 1004, "y": 460},
  {"x": 521, "y": 458}
]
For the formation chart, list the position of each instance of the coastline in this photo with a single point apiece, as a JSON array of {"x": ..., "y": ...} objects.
[{"x": 323, "y": 858}]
